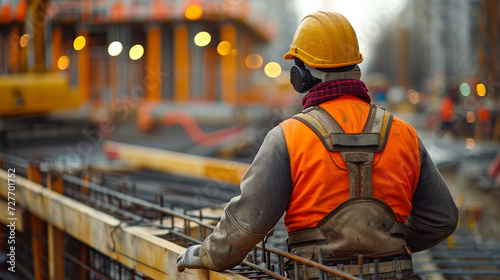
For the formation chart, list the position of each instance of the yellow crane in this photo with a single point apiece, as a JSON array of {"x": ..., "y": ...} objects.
[
  {"x": 36, "y": 92},
  {"x": 29, "y": 99}
]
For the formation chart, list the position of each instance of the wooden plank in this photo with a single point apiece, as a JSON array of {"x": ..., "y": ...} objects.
[
  {"x": 135, "y": 247},
  {"x": 178, "y": 163}
]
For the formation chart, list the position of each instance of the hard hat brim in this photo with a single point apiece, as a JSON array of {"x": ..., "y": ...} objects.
[{"x": 295, "y": 53}]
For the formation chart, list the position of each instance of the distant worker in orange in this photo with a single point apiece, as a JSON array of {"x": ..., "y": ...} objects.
[
  {"x": 352, "y": 178},
  {"x": 483, "y": 112},
  {"x": 447, "y": 113}
]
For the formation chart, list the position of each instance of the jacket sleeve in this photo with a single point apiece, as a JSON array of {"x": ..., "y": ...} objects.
[
  {"x": 434, "y": 216},
  {"x": 265, "y": 191}
]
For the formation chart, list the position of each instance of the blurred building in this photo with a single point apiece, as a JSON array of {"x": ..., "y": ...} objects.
[
  {"x": 436, "y": 42},
  {"x": 169, "y": 51}
]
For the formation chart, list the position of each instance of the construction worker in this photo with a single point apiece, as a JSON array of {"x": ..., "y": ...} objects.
[{"x": 353, "y": 179}]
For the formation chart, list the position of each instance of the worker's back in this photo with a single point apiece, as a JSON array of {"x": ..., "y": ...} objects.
[{"x": 320, "y": 177}]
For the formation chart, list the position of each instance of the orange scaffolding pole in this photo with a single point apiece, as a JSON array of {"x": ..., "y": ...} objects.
[
  {"x": 38, "y": 231},
  {"x": 13, "y": 41},
  {"x": 181, "y": 64},
  {"x": 153, "y": 63},
  {"x": 57, "y": 42},
  {"x": 228, "y": 66},
  {"x": 39, "y": 12},
  {"x": 210, "y": 77},
  {"x": 55, "y": 236},
  {"x": 84, "y": 69}
]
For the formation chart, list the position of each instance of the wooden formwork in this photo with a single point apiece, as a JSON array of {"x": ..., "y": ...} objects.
[{"x": 134, "y": 246}]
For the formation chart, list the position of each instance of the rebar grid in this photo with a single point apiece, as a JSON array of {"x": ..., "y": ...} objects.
[
  {"x": 134, "y": 211},
  {"x": 469, "y": 258}
]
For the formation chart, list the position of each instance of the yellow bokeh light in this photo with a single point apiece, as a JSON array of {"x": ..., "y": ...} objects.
[
  {"x": 136, "y": 52},
  {"x": 115, "y": 48},
  {"x": 202, "y": 39},
  {"x": 63, "y": 62},
  {"x": 471, "y": 117},
  {"x": 254, "y": 61},
  {"x": 469, "y": 143},
  {"x": 272, "y": 69},
  {"x": 79, "y": 43},
  {"x": 224, "y": 48},
  {"x": 481, "y": 90},
  {"x": 194, "y": 12},
  {"x": 24, "y": 40}
]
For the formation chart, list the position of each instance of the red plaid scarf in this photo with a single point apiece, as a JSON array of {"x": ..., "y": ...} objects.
[{"x": 329, "y": 90}]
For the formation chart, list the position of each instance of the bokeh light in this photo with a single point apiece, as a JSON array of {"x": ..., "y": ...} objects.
[
  {"x": 79, "y": 43},
  {"x": 469, "y": 143},
  {"x": 465, "y": 89},
  {"x": 413, "y": 96},
  {"x": 24, "y": 40},
  {"x": 224, "y": 48},
  {"x": 194, "y": 12},
  {"x": 115, "y": 48},
  {"x": 254, "y": 61},
  {"x": 481, "y": 90},
  {"x": 202, "y": 39},
  {"x": 272, "y": 69},
  {"x": 471, "y": 117},
  {"x": 63, "y": 62},
  {"x": 136, "y": 52}
]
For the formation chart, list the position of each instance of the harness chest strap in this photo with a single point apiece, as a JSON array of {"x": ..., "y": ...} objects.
[
  {"x": 363, "y": 224},
  {"x": 357, "y": 149}
]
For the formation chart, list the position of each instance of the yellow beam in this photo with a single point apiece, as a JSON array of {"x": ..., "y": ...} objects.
[
  {"x": 135, "y": 247},
  {"x": 178, "y": 163}
]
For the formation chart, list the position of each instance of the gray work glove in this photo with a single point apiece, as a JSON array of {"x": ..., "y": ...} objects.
[{"x": 189, "y": 258}]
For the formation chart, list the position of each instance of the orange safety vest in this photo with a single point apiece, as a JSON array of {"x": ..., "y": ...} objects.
[{"x": 320, "y": 177}]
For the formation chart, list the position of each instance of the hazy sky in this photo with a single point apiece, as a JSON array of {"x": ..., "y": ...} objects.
[{"x": 368, "y": 17}]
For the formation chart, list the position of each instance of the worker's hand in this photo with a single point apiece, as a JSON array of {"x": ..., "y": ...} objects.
[{"x": 189, "y": 258}]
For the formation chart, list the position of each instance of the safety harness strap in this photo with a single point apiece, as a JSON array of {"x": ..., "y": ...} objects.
[
  {"x": 372, "y": 138},
  {"x": 357, "y": 149}
]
